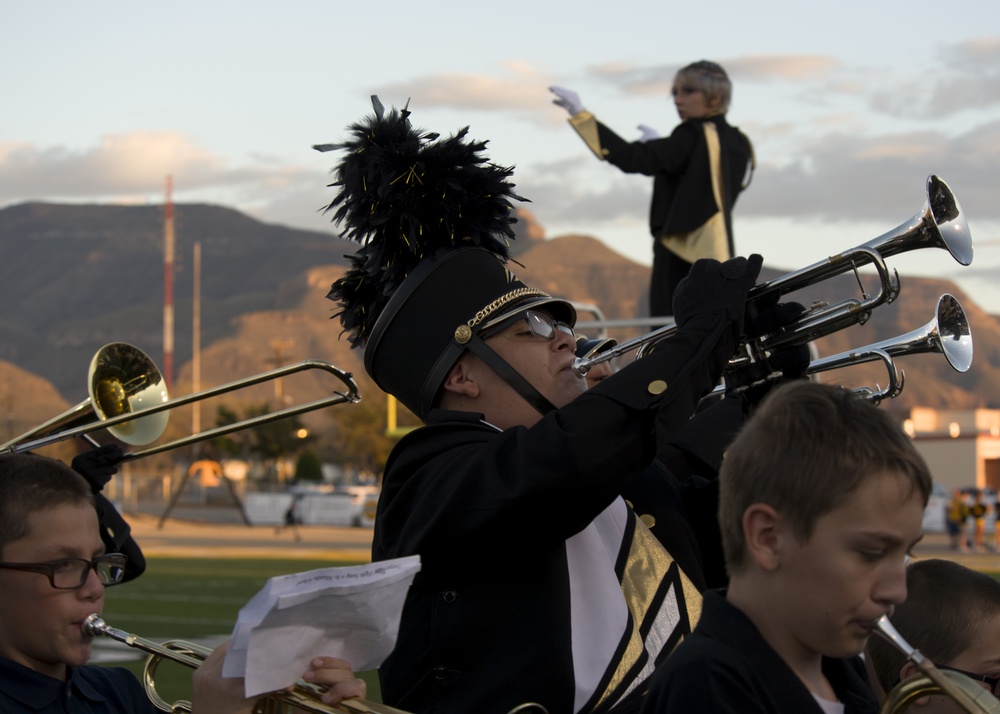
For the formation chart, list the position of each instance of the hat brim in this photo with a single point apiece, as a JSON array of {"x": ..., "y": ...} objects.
[{"x": 560, "y": 310}]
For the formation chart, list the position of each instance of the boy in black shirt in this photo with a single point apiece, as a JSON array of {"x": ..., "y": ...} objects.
[{"x": 821, "y": 498}]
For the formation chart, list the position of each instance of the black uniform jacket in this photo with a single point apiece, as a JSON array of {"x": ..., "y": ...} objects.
[
  {"x": 726, "y": 667},
  {"x": 506, "y": 524},
  {"x": 682, "y": 177}
]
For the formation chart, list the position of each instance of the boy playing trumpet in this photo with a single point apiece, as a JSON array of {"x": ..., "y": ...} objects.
[
  {"x": 821, "y": 498},
  {"x": 53, "y": 571}
]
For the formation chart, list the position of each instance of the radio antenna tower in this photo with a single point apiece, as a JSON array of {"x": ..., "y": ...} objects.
[{"x": 168, "y": 286}]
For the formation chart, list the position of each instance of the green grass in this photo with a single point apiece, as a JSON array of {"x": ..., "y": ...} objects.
[{"x": 191, "y": 599}]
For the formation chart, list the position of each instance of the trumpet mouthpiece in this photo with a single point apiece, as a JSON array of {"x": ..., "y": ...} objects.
[{"x": 92, "y": 625}]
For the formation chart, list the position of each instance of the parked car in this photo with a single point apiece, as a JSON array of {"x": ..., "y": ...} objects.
[{"x": 936, "y": 511}]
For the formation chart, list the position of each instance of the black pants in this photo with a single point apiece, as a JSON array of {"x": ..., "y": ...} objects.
[{"x": 668, "y": 270}]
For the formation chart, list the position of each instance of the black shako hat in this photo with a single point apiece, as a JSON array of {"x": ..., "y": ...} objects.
[{"x": 431, "y": 279}]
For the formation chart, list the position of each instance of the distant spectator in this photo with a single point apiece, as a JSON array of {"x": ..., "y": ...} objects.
[
  {"x": 978, "y": 513},
  {"x": 956, "y": 514},
  {"x": 293, "y": 516}
]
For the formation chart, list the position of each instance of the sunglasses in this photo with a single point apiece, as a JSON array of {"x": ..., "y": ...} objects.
[{"x": 71, "y": 573}]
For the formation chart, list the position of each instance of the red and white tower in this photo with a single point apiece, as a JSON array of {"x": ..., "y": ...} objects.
[{"x": 168, "y": 286}]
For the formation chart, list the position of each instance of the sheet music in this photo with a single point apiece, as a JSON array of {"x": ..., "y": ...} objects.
[{"x": 349, "y": 612}]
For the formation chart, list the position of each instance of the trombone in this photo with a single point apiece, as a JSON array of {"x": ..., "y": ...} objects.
[
  {"x": 960, "y": 688},
  {"x": 129, "y": 399},
  {"x": 940, "y": 223},
  {"x": 302, "y": 697}
]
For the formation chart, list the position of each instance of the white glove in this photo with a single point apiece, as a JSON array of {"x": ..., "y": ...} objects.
[
  {"x": 568, "y": 100},
  {"x": 648, "y": 132}
]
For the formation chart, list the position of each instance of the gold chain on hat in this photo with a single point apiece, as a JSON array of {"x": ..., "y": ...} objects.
[{"x": 463, "y": 333}]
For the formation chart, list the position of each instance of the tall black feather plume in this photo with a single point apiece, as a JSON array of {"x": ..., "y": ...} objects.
[{"x": 403, "y": 195}]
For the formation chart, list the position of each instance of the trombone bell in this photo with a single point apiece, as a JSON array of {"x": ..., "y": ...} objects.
[{"x": 123, "y": 380}]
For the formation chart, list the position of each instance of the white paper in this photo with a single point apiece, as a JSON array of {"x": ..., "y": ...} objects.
[{"x": 350, "y": 612}]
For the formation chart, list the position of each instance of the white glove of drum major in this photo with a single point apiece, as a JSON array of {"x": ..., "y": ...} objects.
[
  {"x": 648, "y": 133},
  {"x": 568, "y": 100}
]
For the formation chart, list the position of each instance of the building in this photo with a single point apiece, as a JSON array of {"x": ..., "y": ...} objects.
[{"x": 962, "y": 447}]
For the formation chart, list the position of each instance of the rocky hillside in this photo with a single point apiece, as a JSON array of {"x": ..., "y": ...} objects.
[{"x": 77, "y": 277}]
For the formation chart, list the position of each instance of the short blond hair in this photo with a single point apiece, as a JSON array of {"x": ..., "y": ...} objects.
[{"x": 710, "y": 78}]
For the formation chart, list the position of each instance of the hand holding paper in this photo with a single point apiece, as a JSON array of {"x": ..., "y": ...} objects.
[{"x": 352, "y": 613}]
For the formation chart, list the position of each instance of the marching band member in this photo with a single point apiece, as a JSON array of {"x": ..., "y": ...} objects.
[
  {"x": 538, "y": 582},
  {"x": 822, "y": 497},
  {"x": 698, "y": 173},
  {"x": 952, "y": 617},
  {"x": 53, "y": 571}
]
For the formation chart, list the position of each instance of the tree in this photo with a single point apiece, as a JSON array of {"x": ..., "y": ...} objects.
[
  {"x": 269, "y": 441},
  {"x": 308, "y": 467},
  {"x": 359, "y": 439}
]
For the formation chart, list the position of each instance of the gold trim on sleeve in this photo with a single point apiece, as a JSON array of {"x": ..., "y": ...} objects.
[{"x": 586, "y": 126}]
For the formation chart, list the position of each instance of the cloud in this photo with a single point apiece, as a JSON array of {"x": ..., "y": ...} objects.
[
  {"x": 790, "y": 68},
  {"x": 121, "y": 164},
  {"x": 657, "y": 80},
  {"x": 965, "y": 77},
  {"x": 517, "y": 89},
  {"x": 834, "y": 177},
  {"x": 842, "y": 175}
]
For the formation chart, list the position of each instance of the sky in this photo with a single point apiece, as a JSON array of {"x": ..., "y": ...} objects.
[{"x": 850, "y": 107}]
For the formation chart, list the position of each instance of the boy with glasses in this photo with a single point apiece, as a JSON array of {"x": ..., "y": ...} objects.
[
  {"x": 952, "y": 616},
  {"x": 53, "y": 571}
]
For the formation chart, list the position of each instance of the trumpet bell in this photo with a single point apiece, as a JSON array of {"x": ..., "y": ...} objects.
[
  {"x": 952, "y": 333},
  {"x": 939, "y": 224},
  {"x": 123, "y": 380}
]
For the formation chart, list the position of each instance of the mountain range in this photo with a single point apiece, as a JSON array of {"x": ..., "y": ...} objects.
[{"x": 76, "y": 277}]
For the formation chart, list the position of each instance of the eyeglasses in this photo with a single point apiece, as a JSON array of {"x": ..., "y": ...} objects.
[
  {"x": 545, "y": 327},
  {"x": 988, "y": 682},
  {"x": 71, "y": 573}
]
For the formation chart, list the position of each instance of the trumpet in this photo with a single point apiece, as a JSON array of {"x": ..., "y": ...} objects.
[
  {"x": 948, "y": 333},
  {"x": 129, "y": 399},
  {"x": 940, "y": 223},
  {"x": 302, "y": 697},
  {"x": 963, "y": 690}
]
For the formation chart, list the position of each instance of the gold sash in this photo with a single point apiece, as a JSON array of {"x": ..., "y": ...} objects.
[{"x": 710, "y": 239}]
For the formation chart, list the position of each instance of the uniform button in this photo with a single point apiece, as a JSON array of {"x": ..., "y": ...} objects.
[
  {"x": 648, "y": 519},
  {"x": 440, "y": 672},
  {"x": 449, "y": 596},
  {"x": 657, "y": 386}
]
